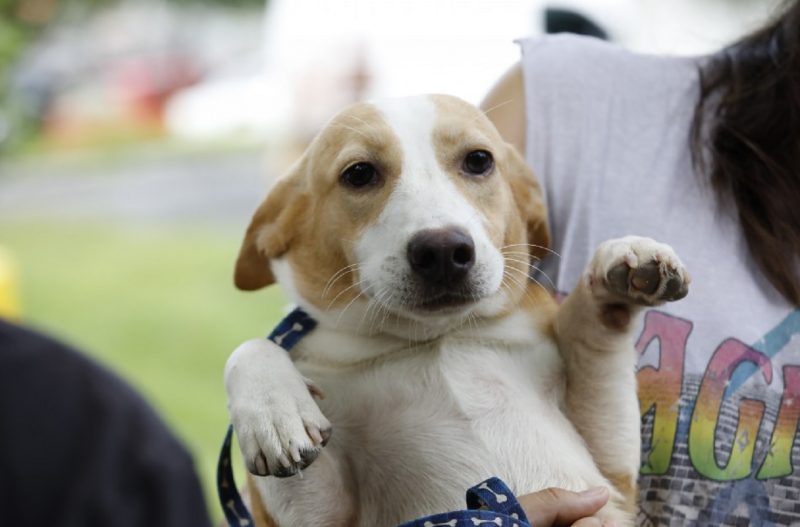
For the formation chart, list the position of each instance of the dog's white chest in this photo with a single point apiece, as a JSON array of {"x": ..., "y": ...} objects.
[{"x": 458, "y": 412}]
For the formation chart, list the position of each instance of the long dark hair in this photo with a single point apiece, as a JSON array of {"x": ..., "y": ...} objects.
[{"x": 746, "y": 137}]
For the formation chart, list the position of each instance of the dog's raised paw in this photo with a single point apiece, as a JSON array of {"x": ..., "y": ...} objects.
[{"x": 636, "y": 270}]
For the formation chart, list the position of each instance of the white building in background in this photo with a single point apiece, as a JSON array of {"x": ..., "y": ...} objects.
[{"x": 323, "y": 54}]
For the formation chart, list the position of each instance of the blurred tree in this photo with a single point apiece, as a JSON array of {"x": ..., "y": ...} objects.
[{"x": 15, "y": 33}]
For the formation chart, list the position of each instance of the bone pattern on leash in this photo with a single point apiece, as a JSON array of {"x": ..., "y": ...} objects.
[
  {"x": 278, "y": 339},
  {"x": 501, "y": 498}
]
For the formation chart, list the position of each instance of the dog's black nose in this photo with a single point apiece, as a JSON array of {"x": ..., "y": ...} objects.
[{"x": 441, "y": 256}]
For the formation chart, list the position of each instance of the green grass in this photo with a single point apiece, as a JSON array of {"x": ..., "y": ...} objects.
[{"x": 156, "y": 306}]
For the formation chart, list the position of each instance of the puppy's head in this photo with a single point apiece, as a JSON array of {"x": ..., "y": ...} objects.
[{"x": 409, "y": 210}]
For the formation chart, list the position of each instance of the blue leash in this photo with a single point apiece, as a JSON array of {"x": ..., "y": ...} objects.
[{"x": 489, "y": 504}]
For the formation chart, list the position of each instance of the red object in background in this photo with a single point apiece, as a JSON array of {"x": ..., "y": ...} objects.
[
  {"x": 146, "y": 82},
  {"x": 123, "y": 100}
]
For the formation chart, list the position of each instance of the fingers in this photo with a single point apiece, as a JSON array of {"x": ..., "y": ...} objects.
[{"x": 556, "y": 507}]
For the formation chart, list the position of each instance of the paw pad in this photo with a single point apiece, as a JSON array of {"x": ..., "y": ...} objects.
[
  {"x": 639, "y": 271},
  {"x": 647, "y": 284}
]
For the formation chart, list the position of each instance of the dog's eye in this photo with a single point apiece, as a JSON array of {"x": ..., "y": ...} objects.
[
  {"x": 478, "y": 162},
  {"x": 360, "y": 175}
]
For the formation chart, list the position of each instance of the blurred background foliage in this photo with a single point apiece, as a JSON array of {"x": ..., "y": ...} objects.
[{"x": 15, "y": 33}]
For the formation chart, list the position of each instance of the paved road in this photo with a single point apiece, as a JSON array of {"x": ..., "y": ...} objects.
[{"x": 219, "y": 189}]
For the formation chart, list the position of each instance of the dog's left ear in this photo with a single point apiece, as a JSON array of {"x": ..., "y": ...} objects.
[
  {"x": 274, "y": 225},
  {"x": 530, "y": 202}
]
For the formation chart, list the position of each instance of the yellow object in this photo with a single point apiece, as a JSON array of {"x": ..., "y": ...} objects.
[{"x": 9, "y": 286}]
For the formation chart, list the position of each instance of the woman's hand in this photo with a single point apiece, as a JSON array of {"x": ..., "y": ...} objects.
[{"x": 558, "y": 507}]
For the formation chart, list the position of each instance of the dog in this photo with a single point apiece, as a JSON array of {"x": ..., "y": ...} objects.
[{"x": 407, "y": 230}]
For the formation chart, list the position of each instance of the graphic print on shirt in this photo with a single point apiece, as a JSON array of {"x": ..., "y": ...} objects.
[{"x": 719, "y": 448}]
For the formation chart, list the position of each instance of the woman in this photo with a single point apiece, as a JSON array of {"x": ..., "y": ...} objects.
[{"x": 702, "y": 154}]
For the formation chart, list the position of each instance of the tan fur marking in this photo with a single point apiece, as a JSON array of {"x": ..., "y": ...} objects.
[
  {"x": 260, "y": 515},
  {"x": 326, "y": 245},
  {"x": 627, "y": 486},
  {"x": 509, "y": 198},
  {"x": 530, "y": 203},
  {"x": 511, "y": 188},
  {"x": 541, "y": 302},
  {"x": 615, "y": 316},
  {"x": 459, "y": 129},
  {"x": 310, "y": 210},
  {"x": 270, "y": 231}
]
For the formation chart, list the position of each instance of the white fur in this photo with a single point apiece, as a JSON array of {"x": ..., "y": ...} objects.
[
  {"x": 407, "y": 425},
  {"x": 271, "y": 408}
]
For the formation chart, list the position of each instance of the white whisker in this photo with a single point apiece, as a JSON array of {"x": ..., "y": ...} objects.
[
  {"x": 356, "y": 130},
  {"x": 336, "y": 276},
  {"x": 373, "y": 305},
  {"x": 339, "y": 319},
  {"x": 551, "y": 251},
  {"x": 541, "y": 272},
  {"x": 356, "y": 284},
  {"x": 517, "y": 253},
  {"x": 496, "y": 106},
  {"x": 531, "y": 276},
  {"x": 362, "y": 121}
]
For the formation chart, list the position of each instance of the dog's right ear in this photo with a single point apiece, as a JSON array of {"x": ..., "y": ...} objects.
[
  {"x": 530, "y": 203},
  {"x": 275, "y": 224}
]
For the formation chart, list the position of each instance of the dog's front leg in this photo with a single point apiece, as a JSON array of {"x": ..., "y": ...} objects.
[
  {"x": 594, "y": 328},
  {"x": 279, "y": 426},
  {"x": 281, "y": 431}
]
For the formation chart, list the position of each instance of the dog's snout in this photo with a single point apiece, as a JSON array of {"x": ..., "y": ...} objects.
[{"x": 441, "y": 256}]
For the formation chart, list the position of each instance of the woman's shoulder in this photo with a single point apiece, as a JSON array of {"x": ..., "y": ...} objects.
[
  {"x": 565, "y": 52},
  {"x": 568, "y": 44},
  {"x": 565, "y": 58}
]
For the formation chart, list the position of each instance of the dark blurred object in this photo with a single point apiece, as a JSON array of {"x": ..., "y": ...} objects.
[
  {"x": 80, "y": 448},
  {"x": 568, "y": 21}
]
